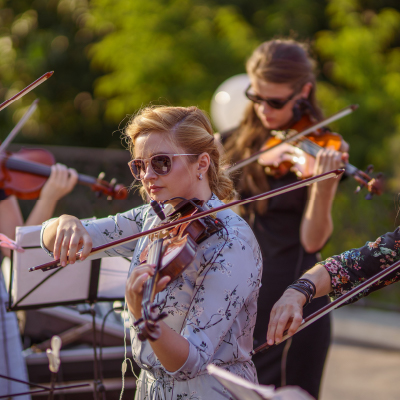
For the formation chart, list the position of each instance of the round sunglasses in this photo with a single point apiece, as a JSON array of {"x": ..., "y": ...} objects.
[
  {"x": 273, "y": 103},
  {"x": 161, "y": 164}
]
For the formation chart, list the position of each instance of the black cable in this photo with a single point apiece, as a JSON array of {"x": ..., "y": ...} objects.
[{"x": 101, "y": 337}]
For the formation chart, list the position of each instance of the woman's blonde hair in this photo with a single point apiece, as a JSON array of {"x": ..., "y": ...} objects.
[{"x": 187, "y": 128}]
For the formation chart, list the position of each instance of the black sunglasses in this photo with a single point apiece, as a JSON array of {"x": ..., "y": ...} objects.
[
  {"x": 161, "y": 164},
  {"x": 273, "y": 103}
]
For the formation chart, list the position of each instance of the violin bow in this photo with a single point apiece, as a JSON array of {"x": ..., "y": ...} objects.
[
  {"x": 346, "y": 111},
  {"x": 23, "y": 92},
  {"x": 334, "y": 304},
  {"x": 32, "y": 108},
  {"x": 272, "y": 193}
]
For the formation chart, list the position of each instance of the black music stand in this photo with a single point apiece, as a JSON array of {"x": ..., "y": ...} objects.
[{"x": 86, "y": 282}]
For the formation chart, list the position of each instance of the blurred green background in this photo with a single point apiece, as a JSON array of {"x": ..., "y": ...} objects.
[{"x": 111, "y": 57}]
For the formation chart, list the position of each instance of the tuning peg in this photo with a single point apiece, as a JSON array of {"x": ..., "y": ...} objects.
[
  {"x": 369, "y": 169},
  {"x": 113, "y": 182},
  {"x": 101, "y": 176}
]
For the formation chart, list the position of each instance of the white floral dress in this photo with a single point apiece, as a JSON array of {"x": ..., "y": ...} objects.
[{"x": 213, "y": 304}]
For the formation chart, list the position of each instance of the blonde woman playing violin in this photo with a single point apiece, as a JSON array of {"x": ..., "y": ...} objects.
[{"x": 211, "y": 306}]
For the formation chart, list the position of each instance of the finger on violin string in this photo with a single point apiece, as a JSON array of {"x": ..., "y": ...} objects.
[
  {"x": 72, "y": 177},
  {"x": 345, "y": 157},
  {"x": 344, "y": 147},
  {"x": 136, "y": 286},
  {"x": 140, "y": 270},
  {"x": 162, "y": 283}
]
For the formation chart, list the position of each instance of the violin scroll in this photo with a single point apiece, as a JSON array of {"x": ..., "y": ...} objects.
[
  {"x": 373, "y": 185},
  {"x": 149, "y": 329},
  {"x": 110, "y": 189}
]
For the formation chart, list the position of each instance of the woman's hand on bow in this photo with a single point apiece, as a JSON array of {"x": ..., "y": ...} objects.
[
  {"x": 287, "y": 313},
  {"x": 66, "y": 236}
]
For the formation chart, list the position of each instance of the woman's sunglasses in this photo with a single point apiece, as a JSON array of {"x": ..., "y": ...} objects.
[
  {"x": 273, "y": 103},
  {"x": 161, "y": 164}
]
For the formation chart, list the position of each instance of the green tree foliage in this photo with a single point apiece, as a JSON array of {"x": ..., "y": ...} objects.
[
  {"x": 362, "y": 66},
  {"x": 360, "y": 63},
  {"x": 179, "y": 51},
  {"x": 40, "y": 36},
  {"x": 112, "y": 57}
]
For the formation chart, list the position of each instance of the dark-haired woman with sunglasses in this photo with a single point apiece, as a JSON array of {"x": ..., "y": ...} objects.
[
  {"x": 291, "y": 228},
  {"x": 211, "y": 307}
]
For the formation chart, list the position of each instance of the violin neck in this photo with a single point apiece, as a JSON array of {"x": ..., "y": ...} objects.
[
  {"x": 312, "y": 149},
  {"x": 154, "y": 257},
  {"x": 34, "y": 168}
]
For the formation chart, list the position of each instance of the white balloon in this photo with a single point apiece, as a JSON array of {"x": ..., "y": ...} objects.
[{"x": 229, "y": 102}]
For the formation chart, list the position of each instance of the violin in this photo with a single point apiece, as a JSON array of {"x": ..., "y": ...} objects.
[
  {"x": 24, "y": 173},
  {"x": 297, "y": 156},
  {"x": 295, "y": 149},
  {"x": 198, "y": 215},
  {"x": 171, "y": 251}
]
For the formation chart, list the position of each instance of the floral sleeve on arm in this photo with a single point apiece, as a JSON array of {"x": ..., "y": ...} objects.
[{"x": 349, "y": 269}]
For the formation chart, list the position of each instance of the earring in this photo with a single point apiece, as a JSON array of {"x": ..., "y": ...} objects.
[{"x": 200, "y": 176}]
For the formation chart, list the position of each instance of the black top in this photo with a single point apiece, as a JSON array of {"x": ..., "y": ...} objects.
[{"x": 3, "y": 195}]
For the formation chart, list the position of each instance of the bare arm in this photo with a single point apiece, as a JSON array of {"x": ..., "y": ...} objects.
[
  {"x": 287, "y": 312},
  {"x": 316, "y": 225},
  {"x": 61, "y": 181}
]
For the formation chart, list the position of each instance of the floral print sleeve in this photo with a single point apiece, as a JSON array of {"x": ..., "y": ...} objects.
[{"x": 349, "y": 269}]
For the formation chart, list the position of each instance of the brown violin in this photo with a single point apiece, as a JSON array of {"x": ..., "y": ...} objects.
[
  {"x": 295, "y": 150},
  {"x": 171, "y": 251},
  {"x": 24, "y": 173}
]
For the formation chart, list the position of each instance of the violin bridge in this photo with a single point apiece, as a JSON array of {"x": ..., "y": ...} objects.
[{"x": 159, "y": 235}]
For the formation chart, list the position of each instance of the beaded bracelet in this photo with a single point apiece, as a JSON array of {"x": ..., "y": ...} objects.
[{"x": 306, "y": 287}]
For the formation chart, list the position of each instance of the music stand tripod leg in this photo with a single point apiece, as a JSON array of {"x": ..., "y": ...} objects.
[{"x": 98, "y": 386}]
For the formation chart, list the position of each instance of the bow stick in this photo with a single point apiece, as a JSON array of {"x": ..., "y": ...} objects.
[
  {"x": 32, "y": 108},
  {"x": 327, "y": 175},
  {"x": 346, "y": 111},
  {"x": 334, "y": 304},
  {"x": 23, "y": 92}
]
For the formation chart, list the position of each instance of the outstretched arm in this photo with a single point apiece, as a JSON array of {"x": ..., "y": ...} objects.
[{"x": 61, "y": 181}]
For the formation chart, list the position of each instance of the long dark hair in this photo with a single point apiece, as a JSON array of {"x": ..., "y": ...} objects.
[{"x": 279, "y": 61}]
